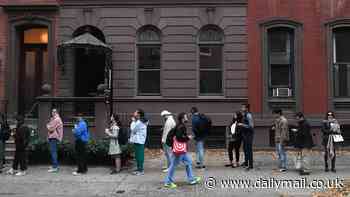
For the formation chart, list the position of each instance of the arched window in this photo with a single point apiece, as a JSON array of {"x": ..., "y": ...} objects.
[
  {"x": 341, "y": 61},
  {"x": 210, "y": 60},
  {"x": 148, "y": 52}
]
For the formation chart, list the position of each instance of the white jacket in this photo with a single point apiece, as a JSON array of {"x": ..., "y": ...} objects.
[
  {"x": 138, "y": 132},
  {"x": 169, "y": 124}
]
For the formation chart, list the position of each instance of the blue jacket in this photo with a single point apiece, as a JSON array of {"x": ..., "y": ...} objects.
[
  {"x": 199, "y": 133},
  {"x": 81, "y": 132}
]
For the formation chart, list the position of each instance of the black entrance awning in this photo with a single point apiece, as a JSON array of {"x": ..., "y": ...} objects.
[{"x": 86, "y": 41}]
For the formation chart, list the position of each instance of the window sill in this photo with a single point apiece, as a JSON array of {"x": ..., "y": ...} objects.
[
  {"x": 286, "y": 103},
  {"x": 341, "y": 103}
]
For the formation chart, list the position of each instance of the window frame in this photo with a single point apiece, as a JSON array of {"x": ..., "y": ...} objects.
[
  {"x": 335, "y": 63},
  {"x": 207, "y": 43},
  {"x": 148, "y": 44},
  {"x": 293, "y": 103}
]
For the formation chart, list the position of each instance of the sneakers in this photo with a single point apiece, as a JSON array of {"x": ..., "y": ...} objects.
[
  {"x": 196, "y": 180},
  {"x": 76, "y": 173},
  {"x": 138, "y": 173},
  {"x": 282, "y": 170},
  {"x": 53, "y": 170},
  {"x": 166, "y": 170},
  {"x": 11, "y": 171},
  {"x": 21, "y": 173},
  {"x": 170, "y": 185}
]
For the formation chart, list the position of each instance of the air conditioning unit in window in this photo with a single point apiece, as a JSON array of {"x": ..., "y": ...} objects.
[{"x": 281, "y": 92}]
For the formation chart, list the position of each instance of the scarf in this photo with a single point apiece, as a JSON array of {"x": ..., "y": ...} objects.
[{"x": 330, "y": 147}]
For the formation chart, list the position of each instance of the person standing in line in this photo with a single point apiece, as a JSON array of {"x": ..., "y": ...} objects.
[
  {"x": 281, "y": 138},
  {"x": 330, "y": 126},
  {"x": 247, "y": 135},
  {"x": 303, "y": 143},
  {"x": 82, "y": 136},
  {"x": 114, "y": 148},
  {"x": 168, "y": 125},
  {"x": 181, "y": 135},
  {"x": 21, "y": 136},
  {"x": 234, "y": 137},
  {"x": 138, "y": 136},
  {"x": 55, "y": 135},
  {"x": 200, "y": 130},
  {"x": 4, "y": 136}
]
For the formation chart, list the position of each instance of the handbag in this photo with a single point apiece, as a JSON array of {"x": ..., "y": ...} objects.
[
  {"x": 298, "y": 161},
  {"x": 338, "y": 138},
  {"x": 179, "y": 147}
]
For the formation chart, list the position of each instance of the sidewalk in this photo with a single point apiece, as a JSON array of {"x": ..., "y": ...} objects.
[{"x": 98, "y": 182}]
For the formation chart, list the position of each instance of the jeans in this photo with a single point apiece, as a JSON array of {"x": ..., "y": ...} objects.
[
  {"x": 303, "y": 157},
  {"x": 2, "y": 153},
  {"x": 53, "y": 152},
  {"x": 80, "y": 148},
  {"x": 167, "y": 153},
  {"x": 139, "y": 156},
  {"x": 248, "y": 149},
  {"x": 175, "y": 160},
  {"x": 200, "y": 152},
  {"x": 282, "y": 156}
]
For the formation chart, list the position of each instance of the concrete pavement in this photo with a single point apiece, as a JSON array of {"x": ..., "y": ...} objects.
[{"x": 98, "y": 182}]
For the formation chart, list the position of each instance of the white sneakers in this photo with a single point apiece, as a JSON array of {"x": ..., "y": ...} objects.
[
  {"x": 11, "y": 171},
  {"x": 166, "y": 170},
  {"x": 52, "y": 170}
]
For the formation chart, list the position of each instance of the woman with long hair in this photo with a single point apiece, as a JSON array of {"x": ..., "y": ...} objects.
[
  {"x": 234, "y": 137},
  {"x": 330, "y": 126},
  {"x": 114, "y": 148}
]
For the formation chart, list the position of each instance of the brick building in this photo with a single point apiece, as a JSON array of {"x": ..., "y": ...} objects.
[{"x": 174, "y": 55}]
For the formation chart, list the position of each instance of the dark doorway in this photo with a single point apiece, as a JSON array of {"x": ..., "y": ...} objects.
[
  {"x": 89, "y": 70},
  {"x": 33, "y": 63}
]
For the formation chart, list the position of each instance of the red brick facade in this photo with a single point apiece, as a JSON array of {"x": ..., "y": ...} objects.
[{"x": 312, "y": 15}]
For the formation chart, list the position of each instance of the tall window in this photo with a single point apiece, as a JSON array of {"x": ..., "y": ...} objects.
[
  {"x": 281, "y": 61},
  {"x": 148, "y": 49},
  {"x": 210, "y": 60},
  {"x": 341, "y": 61}
]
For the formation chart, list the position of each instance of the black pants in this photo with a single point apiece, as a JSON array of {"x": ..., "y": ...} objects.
[
  {"x": 20, "y": 159},
  {"x": 248, "y": 148},
  {"x": 326, "y": 158},
  {"x": 234, "y": 145},
  {"x": 80, "y": 148}
]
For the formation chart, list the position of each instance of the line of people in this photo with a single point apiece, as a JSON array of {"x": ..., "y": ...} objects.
[{"x": 175, "y": 138}]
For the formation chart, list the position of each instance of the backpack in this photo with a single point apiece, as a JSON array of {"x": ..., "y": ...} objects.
[
  {"x": 170, "y": 137},
  {"x": 123, "y": 136},
  {"x": 205, "y": 123}
]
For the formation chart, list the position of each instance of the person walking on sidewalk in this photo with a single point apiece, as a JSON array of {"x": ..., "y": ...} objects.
[
  {"x": 180, "y": 139},
  {"x": 168, "y": 125},
  {"x": 200, "y": 128},
  {"x": 55, "y": 135},
  {"x": 82, "y": 136},
  {"x": 234, "y": 137},
  {"x": 281, "y": 137},
  {"x": 303, "y": 143},
  {"x": 114, "y": 149},
  {"x": 247, "y": 135},
  {"x": 330, "y": 126},
  {"x": 138, "y": 136},
  {"x": 21, "y": 136}
]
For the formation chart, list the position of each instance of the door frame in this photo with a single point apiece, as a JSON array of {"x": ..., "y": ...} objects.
[{"x": 14, "y": 56}]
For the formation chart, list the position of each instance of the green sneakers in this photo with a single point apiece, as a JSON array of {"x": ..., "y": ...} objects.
[
  {"x": 170, "y": 185},
  {"x": 196, "y": 180}
]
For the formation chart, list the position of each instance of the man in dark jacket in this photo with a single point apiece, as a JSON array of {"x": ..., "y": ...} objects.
[
  {"x": 200, "y": 133},
  {"x": 22, "y": 136},
  {"x": 2, "y": 142},
  {"x": 304, "y": 143}
]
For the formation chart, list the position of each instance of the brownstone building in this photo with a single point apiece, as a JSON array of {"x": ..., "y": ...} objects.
[{"x": 166, "y": 55}]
